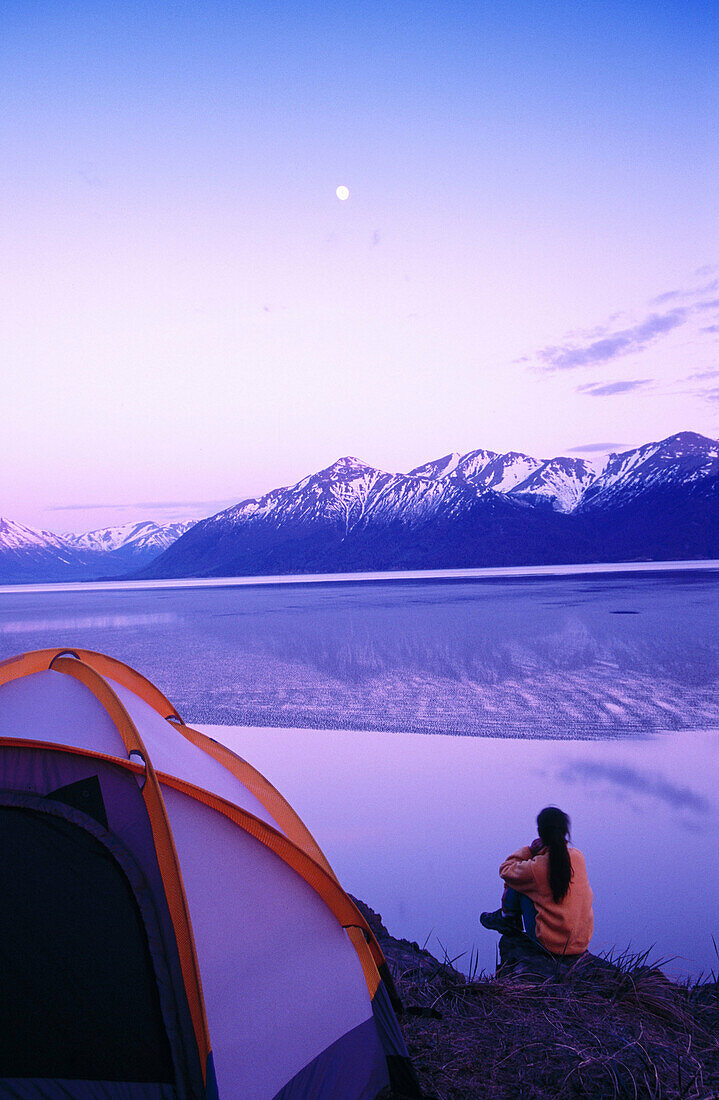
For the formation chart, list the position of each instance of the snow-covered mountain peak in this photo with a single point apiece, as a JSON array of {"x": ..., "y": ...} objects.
[
  {"x": 440, "y": 467},
  {"x": 145, "y": 535},
  {"x": 677, "y": 460},
  {"x": 352, "y": 504},
  {"x": 684, "y": 444},
  {"x": 16, "y": 536},
  {"x": 471, "y": 465},
  {"x": 346, "y": 467},
  {"x": 559, "y": 481},
  {"x": 502, "y": 473}
]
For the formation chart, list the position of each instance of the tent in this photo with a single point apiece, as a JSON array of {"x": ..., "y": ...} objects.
[{"x": 168, "y": 926}]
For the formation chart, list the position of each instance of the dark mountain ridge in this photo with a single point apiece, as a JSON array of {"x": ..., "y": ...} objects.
[{"x": 657, "y": 502}]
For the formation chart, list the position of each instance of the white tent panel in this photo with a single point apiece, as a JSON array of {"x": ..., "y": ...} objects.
[
  {"x": 55, "y": 707},
  {"x": 281, "y": 979},
  {"x": 173, "y": 754}
]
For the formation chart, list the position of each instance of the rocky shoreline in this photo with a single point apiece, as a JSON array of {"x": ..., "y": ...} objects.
[{"x": 544, "y": 1030}]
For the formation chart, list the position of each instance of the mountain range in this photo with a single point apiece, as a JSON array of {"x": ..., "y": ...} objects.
[
  {"x": 655, "y": 502},
  {"x": 29, "y": 555}
]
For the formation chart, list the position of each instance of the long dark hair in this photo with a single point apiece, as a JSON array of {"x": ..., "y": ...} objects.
[{"x": 553, "y": 828}]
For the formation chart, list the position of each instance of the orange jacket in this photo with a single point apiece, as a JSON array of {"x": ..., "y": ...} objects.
[{"x": 563, "y": 927}]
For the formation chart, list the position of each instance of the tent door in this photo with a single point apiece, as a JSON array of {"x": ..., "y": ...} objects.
[{"x": 78, "y": 995}]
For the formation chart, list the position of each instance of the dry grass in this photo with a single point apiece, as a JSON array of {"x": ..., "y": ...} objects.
[
  {"x": 630, "y": 1035},
  {"x": 603, "y": 1028}
]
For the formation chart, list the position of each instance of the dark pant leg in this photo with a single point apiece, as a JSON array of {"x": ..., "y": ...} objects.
[
  {"x": 529, "y": 916},
  {"x": 515, "y": 904},
  {"x": 511, "y": 902}
]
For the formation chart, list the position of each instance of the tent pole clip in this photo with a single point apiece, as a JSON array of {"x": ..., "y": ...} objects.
[
  {"x": 136, "y": 752},
  {"x": 64, "y": 653}
]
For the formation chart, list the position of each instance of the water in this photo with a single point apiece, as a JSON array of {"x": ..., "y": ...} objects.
[
  {"x": 569, "y": 656},
  {"x": 417, "y": 827},
  {"x": 596, "y": 691}
]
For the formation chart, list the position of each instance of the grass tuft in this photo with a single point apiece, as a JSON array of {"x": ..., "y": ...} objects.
[{"x": 612, "y": 1028}]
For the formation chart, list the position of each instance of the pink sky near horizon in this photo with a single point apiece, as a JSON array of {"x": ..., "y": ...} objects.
[{"x": 528, "y": 259}]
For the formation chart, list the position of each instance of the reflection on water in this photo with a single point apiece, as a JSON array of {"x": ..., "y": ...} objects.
[
  {"x": 627, "y": 778},
  {"x": 417, "y": 826},
  {"x": 563, "y": 656},
  {"x": 81, "y": 623}
]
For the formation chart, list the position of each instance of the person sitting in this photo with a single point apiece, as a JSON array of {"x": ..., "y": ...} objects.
[{"x": 547, "y": 890}]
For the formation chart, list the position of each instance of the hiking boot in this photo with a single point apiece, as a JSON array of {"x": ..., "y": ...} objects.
[{"x": 502, "y": 923}]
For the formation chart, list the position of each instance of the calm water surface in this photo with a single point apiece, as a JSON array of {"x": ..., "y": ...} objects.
[
  {"x": 417, "y": 827},
  {"x": 599, "y": 692},
  {"x": 569, "y": 656}
]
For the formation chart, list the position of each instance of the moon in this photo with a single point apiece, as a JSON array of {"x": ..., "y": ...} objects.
[{"x": 342, "y": 192}]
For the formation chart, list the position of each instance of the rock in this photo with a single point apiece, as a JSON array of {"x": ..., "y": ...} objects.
[
  {"x": 519, "y": 957},
  {"x": 404, "y": 956}
]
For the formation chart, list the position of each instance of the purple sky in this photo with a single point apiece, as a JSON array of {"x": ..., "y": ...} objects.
[{"x": 528, "y": 259}]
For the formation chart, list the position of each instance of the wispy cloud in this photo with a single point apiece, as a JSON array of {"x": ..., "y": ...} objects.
[
  {"x": 619, "y": 336},
  {"x": 596, "y": 448},
  {"x": 690, "y": 294},
  {"x": 569, "y": 356},
  {"x": 691, "y": 384},
  {"x": 713, "y": 373},
  {"x": 610, "y": 389},
  {"x": 667, "y": 296},
  {"x": 631, "y": 779},
  {"x": 156, "y": 505}
]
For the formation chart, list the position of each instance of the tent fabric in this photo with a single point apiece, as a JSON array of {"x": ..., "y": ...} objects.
[
  {"x": 288, "y": 821},
  {"x": 335, "y": 1072},
  {"x": 403, "y": 1078},
  {"x": 298, "y": 961},
  {"x": 49, "y": 707},
  {"x": 93, "y": 680},
  {"x": 177, "y": 756},
  {"x": 262, "y": 973}
]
